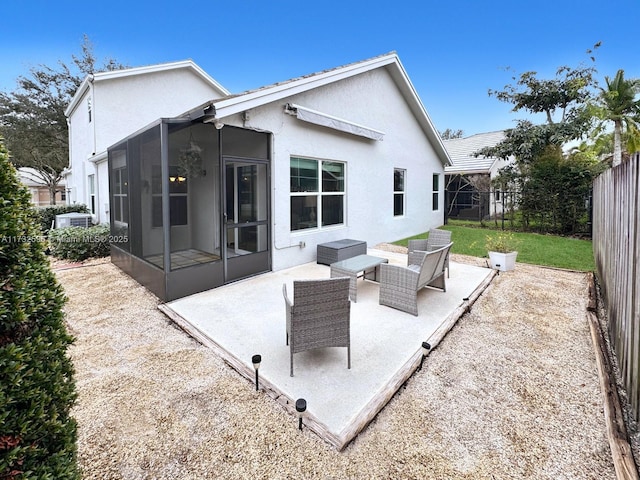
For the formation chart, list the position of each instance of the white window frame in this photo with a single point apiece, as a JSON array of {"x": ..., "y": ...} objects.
[
  {"x": 435, "y": 192},
  {"x": 402, "y": 193},
  {"x": 319, "y": 194},
  {"x": 91, "y": 181}
]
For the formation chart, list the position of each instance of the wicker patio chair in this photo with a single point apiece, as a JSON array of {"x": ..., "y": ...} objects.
[
  {"x": 437, "y": 238},
  {"x": 319, "y": 315},
  {"x": 399, "y": 286}
]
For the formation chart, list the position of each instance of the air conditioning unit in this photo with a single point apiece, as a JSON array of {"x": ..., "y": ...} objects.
[{"x": 73, "y": 219}]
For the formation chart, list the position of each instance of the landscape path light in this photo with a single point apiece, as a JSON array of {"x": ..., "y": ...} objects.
[
  {"x": 256, "y": 359},
  {"x": 425, "y": 351},
  {"x": 301, "y": 407}
]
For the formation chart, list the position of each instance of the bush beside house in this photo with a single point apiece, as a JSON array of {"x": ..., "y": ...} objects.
[
  {"x": 78, "y": 243},
  {"x": 37, "y": 391}
]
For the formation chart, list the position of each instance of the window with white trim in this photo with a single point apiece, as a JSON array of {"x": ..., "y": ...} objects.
[
  {"x": 89, "y": 109},
  {"x": 399, "y": 176},
  {"x": 92, "y": 193},
  {"x": 317, "y": 191},
  {"x": 435, "y": 188}
]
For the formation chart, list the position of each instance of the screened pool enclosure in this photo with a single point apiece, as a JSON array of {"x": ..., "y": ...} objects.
[{"x": 189, "y": 206}]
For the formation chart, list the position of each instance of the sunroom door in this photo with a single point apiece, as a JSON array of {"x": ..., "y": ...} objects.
[{"x": 245, "y": 218}]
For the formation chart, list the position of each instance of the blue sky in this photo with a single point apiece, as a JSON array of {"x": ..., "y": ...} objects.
[{"x": 454, "y": 52}]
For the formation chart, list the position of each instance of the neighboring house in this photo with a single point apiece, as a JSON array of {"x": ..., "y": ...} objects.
[
  {"x": 37, "y": 186},
  {"x": 244, "y": 184},
  {"x": 111, "y": 105},
  {"x": 468, "y": 178}
]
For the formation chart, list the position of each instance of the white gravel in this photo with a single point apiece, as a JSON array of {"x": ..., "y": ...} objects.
[{"x": 511, "y": 392}]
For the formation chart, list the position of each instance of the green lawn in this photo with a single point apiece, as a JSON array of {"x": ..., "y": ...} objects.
[{"x": 533, "y": 248}]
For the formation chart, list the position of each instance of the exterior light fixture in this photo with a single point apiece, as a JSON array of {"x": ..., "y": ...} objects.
[
  {"x": 256, "y": 359},
  {"x": 301, "y": 407},
  {"x": 425, "y": 351}
]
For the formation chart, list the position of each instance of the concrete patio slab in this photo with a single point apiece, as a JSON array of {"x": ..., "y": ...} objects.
[{"x": 248, "y": 317}]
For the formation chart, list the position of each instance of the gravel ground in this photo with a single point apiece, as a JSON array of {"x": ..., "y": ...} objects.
[{"x": 511, "y": 392}]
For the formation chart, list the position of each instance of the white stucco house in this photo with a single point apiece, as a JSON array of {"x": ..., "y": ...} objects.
[
  {"x": 468, "y": 177},
  {"x": 207, "y": 187}
]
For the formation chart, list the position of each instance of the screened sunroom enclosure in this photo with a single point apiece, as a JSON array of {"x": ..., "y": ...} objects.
[{"x": 189, "y": 206}]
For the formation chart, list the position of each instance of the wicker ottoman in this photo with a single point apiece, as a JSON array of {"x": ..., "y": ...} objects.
[{"x": 332, "y": 252}]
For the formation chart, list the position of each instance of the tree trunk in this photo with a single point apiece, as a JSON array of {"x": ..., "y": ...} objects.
[
  {"x": 52, "y": 194},
  {"x": 617, "y": 143}
]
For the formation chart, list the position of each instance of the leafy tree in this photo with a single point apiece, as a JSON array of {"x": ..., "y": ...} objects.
[
  {"x": 32, "y": 119},
  {"x": 618, "y": 103},
  {"x": 37, "y": 391},
  {"x": 449, "y": 134},
  {"x": 562, "y": 100}
]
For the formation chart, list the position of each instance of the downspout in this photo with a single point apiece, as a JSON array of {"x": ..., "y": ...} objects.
[{"x": 93, "y": 111}]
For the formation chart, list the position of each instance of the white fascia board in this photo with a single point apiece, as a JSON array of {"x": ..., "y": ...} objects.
[
  {"x": 77, "y": 97},
  {"x": 263, "y": 96},
  {"x": 98, "y": 158},
  {"x": 464, "y": 171}
]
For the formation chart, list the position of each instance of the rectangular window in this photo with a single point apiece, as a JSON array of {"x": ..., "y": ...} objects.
[
  {"x": 92, "y": 193},
  {"x": 436, "y": 192},
  {"x": 89, "y": 111},
  {"x": 317, "y": 193},
  {"x": 398, "y": 191},
  {"x": 178, "y": 191}
]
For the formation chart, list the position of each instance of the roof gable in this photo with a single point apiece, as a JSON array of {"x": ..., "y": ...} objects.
[
  {"x": 234, "y": 104},
  {"x": 188, "y": 65}
]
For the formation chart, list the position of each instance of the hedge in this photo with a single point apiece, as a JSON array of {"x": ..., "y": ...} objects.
[
  {"x": 37, "y": 391},
  {"x": 78, "y": 243}
]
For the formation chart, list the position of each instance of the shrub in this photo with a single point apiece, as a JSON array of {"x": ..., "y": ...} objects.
[
  {"x": 37, "y": 391},
  {"x": 501, "y": 241},
  {"x": 47, "y": 215},
  {"x": 78, "y": 243}
]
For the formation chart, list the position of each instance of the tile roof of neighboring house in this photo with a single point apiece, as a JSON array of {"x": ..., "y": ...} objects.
[{"x": 461, "y": 151}]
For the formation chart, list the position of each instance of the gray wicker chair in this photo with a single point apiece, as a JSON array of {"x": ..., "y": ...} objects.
[
  {"x": 437, "y": 238},
  {"x": 319, "y": 315},
  {"x": 399, "y": 286}
]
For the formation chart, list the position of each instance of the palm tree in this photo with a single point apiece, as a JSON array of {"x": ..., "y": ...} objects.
[{"x": 619, "y": 105}]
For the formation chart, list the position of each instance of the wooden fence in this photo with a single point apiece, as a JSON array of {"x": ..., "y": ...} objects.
[{"x": 616, "y": 247}]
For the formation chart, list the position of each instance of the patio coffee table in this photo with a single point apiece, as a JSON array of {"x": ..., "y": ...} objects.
[{"x": 351, "y": 267}]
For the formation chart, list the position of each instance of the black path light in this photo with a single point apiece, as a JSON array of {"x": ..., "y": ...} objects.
[
  {"x": 256, "y": 359},
  {"x": 425, "y": 351},
  {"x": 301, "y": 407}
]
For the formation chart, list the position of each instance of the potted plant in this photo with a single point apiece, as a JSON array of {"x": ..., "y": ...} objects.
[{"x": 502, "y": 250}]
